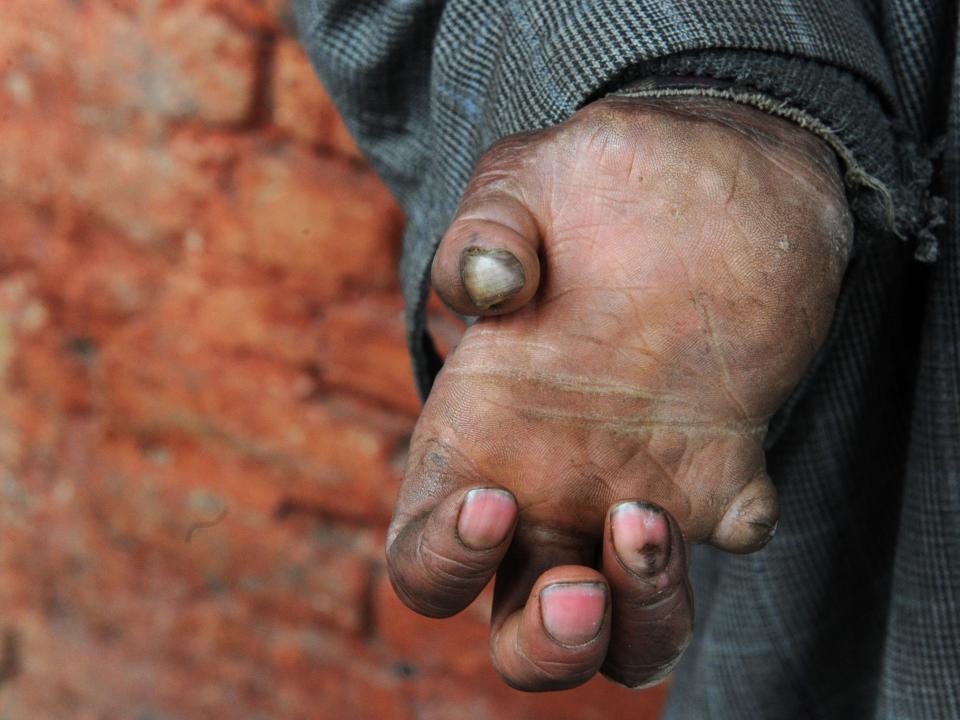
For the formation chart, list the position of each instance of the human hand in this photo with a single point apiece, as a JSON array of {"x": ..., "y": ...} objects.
[{"x": 654, "y": 278}]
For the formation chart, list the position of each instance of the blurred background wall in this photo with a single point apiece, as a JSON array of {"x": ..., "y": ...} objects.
[{"x": 205, "y": 397}]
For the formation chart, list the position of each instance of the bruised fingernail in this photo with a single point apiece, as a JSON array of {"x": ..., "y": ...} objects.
[
  {"x": 573, "y": 612},
  {"x": 490, "y": 276},
  {"x": 641, "y": 537},
  {"x": 486, "y": 517}
]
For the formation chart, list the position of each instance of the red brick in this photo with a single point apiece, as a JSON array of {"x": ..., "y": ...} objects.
[
  {"x": 457, "y": 644},
  {"x": 294, "y": 567},
  {"x": 251, "y": 319},
  {"x": 182, "y": 62},
  {"x": 325, "y": 452},
  {"x": 178, "y": 62},
  {"x": 342, "y": 142},
  {"x": 301, "y": 105},
  {"x": 193, "y": 628},
  {"x": 363, "y": 350},
  {"x": 191, "y": 85},
  {"x": 437, "y": 696},
  {"x": 327, "y": 227},
  {"x": 34, "y": 157},
  {"x": 102, "y": 281},
  {"x": 262, "y": 15},
  {"x": 149, "y": 193},
  {"x": 158, "y": 663},
  {"x": 36, "y": 52}
]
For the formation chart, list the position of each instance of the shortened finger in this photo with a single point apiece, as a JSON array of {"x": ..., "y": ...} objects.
[
  {"x": 487, "y": 261},
  {"x": 750, "y": 520}
]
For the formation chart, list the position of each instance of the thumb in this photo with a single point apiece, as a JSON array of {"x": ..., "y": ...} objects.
[{"x": 487, "y": 261}]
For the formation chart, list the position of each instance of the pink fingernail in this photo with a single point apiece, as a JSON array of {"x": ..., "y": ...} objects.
[
  {"x": 573, "y": 612},
  {"x": 641, "y": 537},
  {"x": 486, "y": 517}
]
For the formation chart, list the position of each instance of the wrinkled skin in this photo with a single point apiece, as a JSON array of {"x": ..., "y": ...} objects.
[{"x": 681, "y": 262}]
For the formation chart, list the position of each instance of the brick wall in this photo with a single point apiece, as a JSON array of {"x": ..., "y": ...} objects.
[{"x": 204, "y": 394}]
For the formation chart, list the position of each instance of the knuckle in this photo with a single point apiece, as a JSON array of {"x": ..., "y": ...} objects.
[{"x": 499, "y": 167}]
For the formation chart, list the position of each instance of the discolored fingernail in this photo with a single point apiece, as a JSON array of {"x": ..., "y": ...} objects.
[
  {"x": 641, "y": 537},
  {"x": 750, "y": 520},
  {"x": 486, "y": 517},
  {"x": 490, "y": 275},
  {"x": 573, "y": 612}
]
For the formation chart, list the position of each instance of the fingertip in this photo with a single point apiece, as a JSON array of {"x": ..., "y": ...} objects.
[
  {"x": 487, "y": 267},
  {"x": 559, "y": 638},
  {"x": 439, "y": 561},
  {"x": 645, "y": 561},
  {"x": 750, "y": 521},
  {"x": 640, "y": 533},
  {"x": 644, "y": 555}
]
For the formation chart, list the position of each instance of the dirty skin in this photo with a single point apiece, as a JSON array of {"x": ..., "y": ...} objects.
[{"x": 652, "y": 279}]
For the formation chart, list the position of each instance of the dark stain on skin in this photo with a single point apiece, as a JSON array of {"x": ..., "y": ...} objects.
[
  {"x": 437, "y": 459},
  {"x": 440, "y": 467}
]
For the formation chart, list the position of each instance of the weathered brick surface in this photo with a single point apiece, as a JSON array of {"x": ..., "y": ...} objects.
[
  {"x": 302, "y": 107},
  {"x": 204, "y": 395}
]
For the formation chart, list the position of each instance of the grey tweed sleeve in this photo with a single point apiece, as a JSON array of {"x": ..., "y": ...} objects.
[{"x": 427, "y": 85}]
